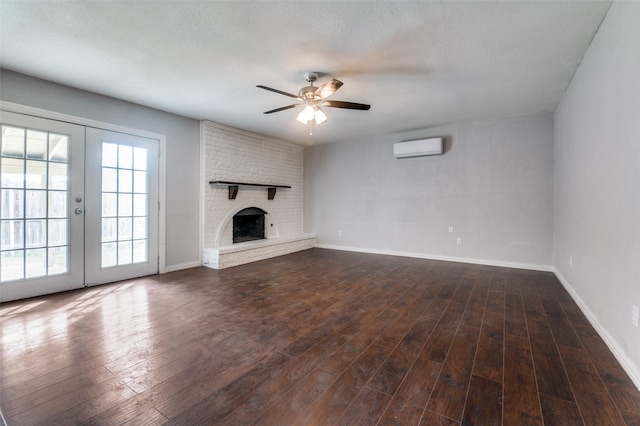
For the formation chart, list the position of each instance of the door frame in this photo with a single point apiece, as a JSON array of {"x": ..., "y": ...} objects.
[{"x": 162, "y": 140}]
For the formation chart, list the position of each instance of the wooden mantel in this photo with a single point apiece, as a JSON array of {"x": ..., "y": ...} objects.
[{"x": 233, "y": 187}]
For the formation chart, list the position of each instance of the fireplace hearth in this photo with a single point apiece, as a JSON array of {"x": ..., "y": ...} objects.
[{"x": 248, "y": 225}]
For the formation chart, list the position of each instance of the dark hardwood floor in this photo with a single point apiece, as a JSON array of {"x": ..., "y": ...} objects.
[{"x": 318, "y": 337}]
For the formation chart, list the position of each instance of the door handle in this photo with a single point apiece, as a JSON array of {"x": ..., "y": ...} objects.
[{"x": 78, "y": 210}]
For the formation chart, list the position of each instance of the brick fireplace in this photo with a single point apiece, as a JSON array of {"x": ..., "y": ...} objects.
[{"x": 257, "y": 165}]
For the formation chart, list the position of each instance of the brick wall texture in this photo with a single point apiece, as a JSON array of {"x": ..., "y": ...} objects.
[{"x": 235, "y": 155}]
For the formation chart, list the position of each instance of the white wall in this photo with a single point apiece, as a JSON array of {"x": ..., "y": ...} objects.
[
  {"x": 494, "y": 185},
  {"x": 183, "y": 149},
  {"x": 597, "y": 182}
]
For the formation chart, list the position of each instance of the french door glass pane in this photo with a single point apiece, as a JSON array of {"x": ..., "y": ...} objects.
[
  {"x": 109, "y": 229},
  {"x": 12, "y": 234},
  {"x": 12, "y": 173},
  {"x": 35, "y": 189},
  {"x": 58, "y": 235},
  {"x": 109, "y": 254},
  {"x": 36, "y": 263},
  {"x": 35, "y": 204},
  {"x": 57, "y": 203},
  {"x": 109, "y": 179},
  {"x": 58, "y": 260},
  {"x": 58, "y": 148},
  {"x": 37, "y": 146},
  {"x": 124, "y": 236},
  {"x": 36, "y": 175},
  {"x": 57, "y": 176},
  {"x": 140, "y": 158},
  {"x": 12, "y": 263},
  {"x": 12, "y": 142},
  {"x": 12, "y": 203},
  {"x": 125, "y": 204},
  {"x": 36, "y": 234}
]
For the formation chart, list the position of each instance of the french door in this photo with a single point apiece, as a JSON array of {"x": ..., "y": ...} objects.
[
  {"x": 121, "y": 206},
  {"x": 78, "y": 206}
]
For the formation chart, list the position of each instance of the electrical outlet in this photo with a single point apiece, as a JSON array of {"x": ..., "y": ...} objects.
[
  {"x": 459, "y": 241},
  {"x": 635, "y": 315},
  {"x": 339, "y": 233},
  {"x": 451, "y": 229}
]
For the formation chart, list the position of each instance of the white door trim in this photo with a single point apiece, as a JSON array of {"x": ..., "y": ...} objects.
[{"x": 162, "y": 183}]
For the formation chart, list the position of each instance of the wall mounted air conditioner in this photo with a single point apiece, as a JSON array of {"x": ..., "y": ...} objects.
[{"x": 418, "y": 148}]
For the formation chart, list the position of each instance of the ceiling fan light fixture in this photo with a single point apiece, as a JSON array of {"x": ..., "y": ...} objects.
[
  {"x": 311, "y": 98},
  {"x": 320, "y": 116},
  {"x": 306, "y": 114}
]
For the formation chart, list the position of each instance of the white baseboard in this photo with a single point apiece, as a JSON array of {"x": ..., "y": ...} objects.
[
  {"x": 181, "y": 266},
  {"x": 629, "y": 367},
  {"x": 529, "y": 266}
]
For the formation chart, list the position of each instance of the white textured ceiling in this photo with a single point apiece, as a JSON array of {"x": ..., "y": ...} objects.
[{"x": 418, "y": 64}]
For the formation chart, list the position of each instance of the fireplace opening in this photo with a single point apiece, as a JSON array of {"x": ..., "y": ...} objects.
[{"x": 248, "y": 225}]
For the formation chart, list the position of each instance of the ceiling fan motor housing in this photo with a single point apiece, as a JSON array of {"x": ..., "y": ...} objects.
[{"x": 307, "y": 93}]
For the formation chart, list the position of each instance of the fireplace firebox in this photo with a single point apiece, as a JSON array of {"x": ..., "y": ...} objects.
[{"x": 248, "y": 225}]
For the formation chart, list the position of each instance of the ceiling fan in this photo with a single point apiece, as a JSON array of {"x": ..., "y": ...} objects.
[{"x": 312, "y": 98}]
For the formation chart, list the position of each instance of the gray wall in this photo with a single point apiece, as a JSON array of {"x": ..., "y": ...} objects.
[
  {"x": 494, "y": 186},
  {"x": 183, "y": 149},
  {"x": 597, "y": 179}
]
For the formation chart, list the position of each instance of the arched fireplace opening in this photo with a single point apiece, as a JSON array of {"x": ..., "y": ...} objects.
[{"x": 248, "y": 225}]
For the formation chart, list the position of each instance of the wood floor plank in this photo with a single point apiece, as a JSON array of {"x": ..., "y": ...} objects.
[
  {"x": 450, "y": 391},
  {"x": 560, "y": 325},
  {"x": 393, "y": 370},
  {"x": 474, "y": 312},
  {"x": 29, "y": 400},
  {"x": 495, "y": 298},
  {"x": 592, "y": 397},
  {"x": 489, "y": 357},
  {"x": 437, "y": 346},
  {"x": 295, "y": 402},
  {"x": 531, "y": 299},
  {"x": 521, "y": 404},
  {"x": 366, "y": 409},
  {"x": 515, "y": 322},
  {"x": 401, "y": 325},
  {"x": 193, "y": 385},
  {"x": 556, "y": 411},
  {"x": 213, "y": 406},
  {"x": 403, "y": 415},
  {"x": 336, "y": 399},
  {"x": 429, "y": 418},
  {"x": 314, "y": 337},
  {"x": 549, "y": 369},
  {"x": 87, "y": 414},
  {"x": 65, "y": 401},
  {"x": 122, "y": 412},
  {"x": 340, "y": 360},
  {"x": 271, "y": 389},
  {"x": 413, "y": 393},
  {"x": 20, "y": 388},
  {"x": 484, "y": 403}
]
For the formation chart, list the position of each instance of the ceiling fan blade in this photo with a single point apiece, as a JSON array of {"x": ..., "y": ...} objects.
[
  {"x": 278, "y": 91},
  {"x": 282, "y": 108},
  {"x": 328, "y": 88},
  {"x": 346, "y": 105}
]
